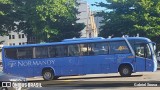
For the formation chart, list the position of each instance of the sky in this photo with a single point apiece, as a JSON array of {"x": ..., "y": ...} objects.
[{"x": 93, "y": 8}]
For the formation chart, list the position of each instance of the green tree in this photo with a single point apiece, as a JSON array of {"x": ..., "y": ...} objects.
[
  {"x": 6, "y": 22},
  {"x": 45, "y": 19},
  {"x": 119, "y": 19},
  {"x": 148, "y": 19},
  {"x": 131, "y": 17}
]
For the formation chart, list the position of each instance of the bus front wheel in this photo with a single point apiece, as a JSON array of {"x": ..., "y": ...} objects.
[
  {"x": 125, "y": 71},
  {"x": 48, "y": 74}
]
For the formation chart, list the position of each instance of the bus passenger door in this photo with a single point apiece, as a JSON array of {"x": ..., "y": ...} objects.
[
  {"x": 140, "y": 57},
  {"x": 143, "y": 57},
  {"x": 148, "y": 58}
]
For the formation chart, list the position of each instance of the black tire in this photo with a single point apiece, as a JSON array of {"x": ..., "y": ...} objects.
[
  {"x": 125, "y": 71},
  {"x": 48, "y": 74}
]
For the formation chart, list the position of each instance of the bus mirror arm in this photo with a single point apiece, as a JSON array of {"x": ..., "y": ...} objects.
[{"x": 154, "y": 46}]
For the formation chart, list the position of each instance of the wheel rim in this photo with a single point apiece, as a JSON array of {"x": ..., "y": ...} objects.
[
  {"x": 125, "y": 71},
  {"x": 47, "y": 75}
]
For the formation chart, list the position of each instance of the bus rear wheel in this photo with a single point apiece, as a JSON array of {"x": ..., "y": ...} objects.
[
  {"x": 125, "y": 71},
  {"x": 48, "y": 74}
]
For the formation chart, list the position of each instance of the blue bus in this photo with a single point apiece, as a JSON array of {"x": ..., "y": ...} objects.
[{"x": 80, "y": 56}]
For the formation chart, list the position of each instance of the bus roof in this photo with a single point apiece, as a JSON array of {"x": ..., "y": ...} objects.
[
  {"x": 80, "y": 40},
  {"x": 138, "y": 38}
]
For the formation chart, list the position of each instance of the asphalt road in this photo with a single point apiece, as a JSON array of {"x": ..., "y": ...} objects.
[
  {"x": 101, "y": 82},
  {"x": 139, "y": 81}
]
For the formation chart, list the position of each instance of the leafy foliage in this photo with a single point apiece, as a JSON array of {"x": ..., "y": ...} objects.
[
  {"x": 131, "y": 17},
  {"x": 6, "y": 22},
  {"x": 46, "y": 20}
]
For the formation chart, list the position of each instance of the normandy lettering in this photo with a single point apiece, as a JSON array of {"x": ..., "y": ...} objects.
[
  {"x": 31, "y": 63},
  {"x": 12, "y": 64}
]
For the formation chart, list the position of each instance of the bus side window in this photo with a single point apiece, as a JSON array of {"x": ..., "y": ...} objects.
[
  {"x": 73, "y": 50},
  {"x": 90, "y": 49},
  {"x": 52, "y": 51},
  {"x": 25, "y": 53},
  {"x": 41, "y": 52},
  {"x": 83, "y": 49},
  {"x": 61, "y": 51},
  {"x": 57, "y": 51},
  {"x": 119, "y": 47},
  {"x": 100, "y": 48}
]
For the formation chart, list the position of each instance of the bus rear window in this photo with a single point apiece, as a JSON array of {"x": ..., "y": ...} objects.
[
  {"x": 11, "y": 53},
  {"x": 19, "y": 53}
]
